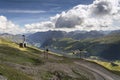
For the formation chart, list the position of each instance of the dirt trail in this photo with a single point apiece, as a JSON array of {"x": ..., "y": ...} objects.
[{"x": 99, "y": 72}]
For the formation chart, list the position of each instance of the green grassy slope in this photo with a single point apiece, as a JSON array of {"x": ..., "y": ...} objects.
[
  {"x": 11, "y": 53},
  {"x": 12, "y": 74},
  {"x": 29, "y": 64},
  {"x": 114, "y": 67}
]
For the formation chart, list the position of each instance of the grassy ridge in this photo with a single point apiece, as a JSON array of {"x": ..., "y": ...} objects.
[
  {"x": 29, "y": 64},
  {"x": 45, "y": 69},
  {"x": 10, "y": 52},
  {"x": 111, "y": 66},
  {"x": 13, "y": 74}
]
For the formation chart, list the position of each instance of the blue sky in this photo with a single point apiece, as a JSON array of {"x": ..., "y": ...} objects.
[
  {"x": 22, "y": 16},
  {"x": 23, "y": 12}
]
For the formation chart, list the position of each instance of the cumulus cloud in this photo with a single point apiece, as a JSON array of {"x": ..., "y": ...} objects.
[
  {"x": 101, "y": 8},
  {"x": 100, "y": 15},
  {"x": 7, "y": 26},
  {"x": 71, "y": 18},
  {"x": 68, "y": 21},
  {"x": 97, "y": 16},
  {"x": 42, "y": 26}
]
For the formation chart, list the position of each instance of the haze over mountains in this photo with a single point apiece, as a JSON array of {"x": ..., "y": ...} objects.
[{"x": 41, "y": 37}]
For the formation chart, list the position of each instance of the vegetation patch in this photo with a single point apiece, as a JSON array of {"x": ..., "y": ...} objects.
[
  {"x": 12, "y": 74},
  {"x": 111, "y": 66},
  {"x": 81, "y": 77}
]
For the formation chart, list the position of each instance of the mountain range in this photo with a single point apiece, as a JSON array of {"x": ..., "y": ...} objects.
[
  {"x": 103, "y": 44},
  {"x": 41, "y": 37}
]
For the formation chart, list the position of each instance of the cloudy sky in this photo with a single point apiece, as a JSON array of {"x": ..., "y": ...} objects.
[{"x": 19, "y": 16}]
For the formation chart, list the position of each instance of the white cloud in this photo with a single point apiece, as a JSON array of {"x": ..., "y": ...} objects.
[
  {"x": 71, "y": 18},
  {"x": 7, "y": 26},
  {"x": 100, "y": 15},
  {"x": 97, "y": 16},
  {"x": 102, "y": 7},
  {"x": 42, "y": 26},
  {"x": 22, "y": 11},
  {"x": 68, "y": 21}
]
